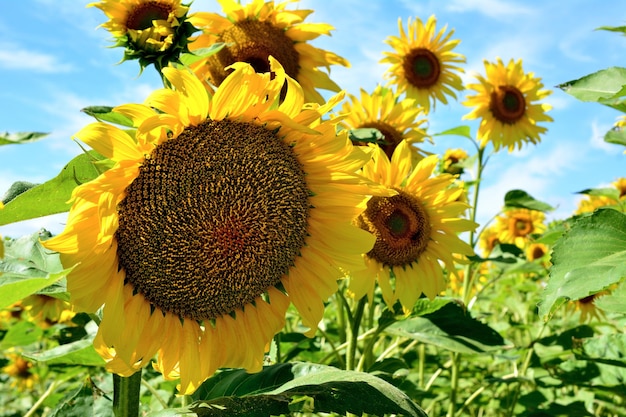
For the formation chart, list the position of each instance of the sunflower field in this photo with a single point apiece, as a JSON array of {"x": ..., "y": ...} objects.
[{"x": 252, "y": 240}]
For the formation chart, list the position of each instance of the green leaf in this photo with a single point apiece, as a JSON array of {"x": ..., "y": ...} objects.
[
  {"x": 616, "y": 136},
  {"x": 287, "y": 387},
  {"x": 88, "y": 400},
  {"x": 189, "y": 58},
  {"x": 521, "y": 199},
  {"x": 14, "y": 287},
  {"x": 458, "y": 131},
  {"x": 366, "y": 134},
  {"x": 20, "y": 137},
  {"x": 451, "y": 327},
  {"x": 23, "y": 333},
  {"x": 621, "y": 29},
  {"x": 588, "y": 258},
  {"x": 598, "y": 86},
  {"x": 52, "y": 196},
  {"x": 16, "y": 189},
  {"x": 601, "y": 192},
  {"x": 614, "y": 302},
  {"x": 80, "y": 352},
  {"x": 106, "y": 114}
]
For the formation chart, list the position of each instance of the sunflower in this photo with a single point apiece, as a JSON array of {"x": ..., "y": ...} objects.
[
  {"x": 423, "y": 64},
  {"x": 46, "y": 311},
  {"x": 516, "y": 226},
  {"x": 506, "y": 103},
  {"x": 153, "y": 31},
  {"x": 451, "y": 160},
  {"x": 456, "y": 281},
  {"x": 253, "y": 32},
  {"x": 488, "y": 240},
  {"x": 592, "y": 202},
  {"x": 415, "y": 230},
  {"x": 537, "y": 252},
  {"x": 19, "y": 371},
  {"x": 219, "y": 211},
  {"x": 587, "y": 307},
  {"x": 1, "y": 239},
  {"x": 395, "y": 119}
]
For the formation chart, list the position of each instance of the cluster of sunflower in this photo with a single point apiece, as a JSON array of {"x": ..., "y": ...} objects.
[{"x": 239, "y": 190}]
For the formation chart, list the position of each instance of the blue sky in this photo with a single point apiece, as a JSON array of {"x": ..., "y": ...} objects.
[{"x": 53, "y": 62}]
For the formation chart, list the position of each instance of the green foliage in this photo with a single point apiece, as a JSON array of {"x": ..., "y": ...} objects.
[
  {"x": 107, "y": 114},
  {"x": 590, "y": 257},
  {"x": 605, "y": 87},
  {"x": 7, "y": 138},
  {"x": 52, "y": 196},
  {"x": 368, "y": 134},
  {"x": 521, "y": 199}
]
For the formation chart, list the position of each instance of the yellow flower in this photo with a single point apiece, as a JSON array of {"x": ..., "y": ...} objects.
[
  {"x": 396, "y": 119},
  {"x": 506, "y": 102},
  {"x": 587, "y": 307},
  {"x": 219, "y": 211},
  {"x": 10, "y": 314},
  {"x": 416, "y": 230},
  {"x": 516, "y": 226},
  {"x": 153, "y": 31},
  {"x": 537, "y": 251},
  {"x": 423, "y": 64},
  {"x": 489, "y": 238},
  {"x": 450, "y": 160},
  {"x": 592, "y": 202},
  {"x": 19, "y": 370},
  {"x": 456, "y": 281},
  {"x": 46, "y": 311},
  {"x": 258, "y": 30},
  {"x": 1, "y": 239}
]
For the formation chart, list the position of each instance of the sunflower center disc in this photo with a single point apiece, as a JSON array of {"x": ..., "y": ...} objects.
[
  {"x": 402, "y": 228},
  {"x": 391, "y": 137},
  {"x": 507, "y": 104},
  {"x": 253, "y": 42},
  {"x": 422, "y": 68},
  {"x": 521, "y": 227},
  {"x": 142, "y": 16},
  {"x": 214, "y": 219}
]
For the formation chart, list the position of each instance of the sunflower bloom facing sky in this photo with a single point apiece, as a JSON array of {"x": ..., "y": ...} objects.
[
  {"x": 506, "y": 102},
  {"x": 219, "y": 212},
  {"x": 153, "y": 31},
  {"x": 253, "y": 32},
  {"x": 395, "y": 119},
  {"x": 415, "y": 230},
  {"x": 518, "y": 225},
  {"x": 423, "y": 64}
]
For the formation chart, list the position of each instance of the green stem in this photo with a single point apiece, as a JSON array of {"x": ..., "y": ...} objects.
[
  {"x": 454, "y": 383},
  {"x": 42, "y": 398},
  {"x": 126, "y": 395},
  {"x": 421, "y": 351},
  {"x": 354, "y": 334}
]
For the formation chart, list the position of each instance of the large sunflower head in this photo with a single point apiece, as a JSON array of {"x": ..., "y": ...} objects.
[
  {"x": 252, "y": 33},
  {"x": 423, "y": 64},
  {"x": 506, "y": 102},
  {"x": 416, "y": 230},
  {"x": 395, "y": 119},
  {"x": 519, "y": 225},
  {"x": 219, "y": 211},
  {"x": 152, "y": 31}
]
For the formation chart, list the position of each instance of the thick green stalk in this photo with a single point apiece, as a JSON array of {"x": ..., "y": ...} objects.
[
  {"x": 126, "y": 395},
  {"x": 355, "y": 325}
]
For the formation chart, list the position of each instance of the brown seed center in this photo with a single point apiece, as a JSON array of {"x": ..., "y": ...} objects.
[
  {"x": 422, "y": 68},
  {"x": 214, "y": 219},
  {"x": 141, "y": 16},
  {"x": 401, "y": 225},
  {"x": 507, "y": 104}
]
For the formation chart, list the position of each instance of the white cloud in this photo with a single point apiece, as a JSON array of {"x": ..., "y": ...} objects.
[
  {"x": 15, "y": 58},
  {"x": 491, "y": 8},
  {"x": 598, "y": 130}
]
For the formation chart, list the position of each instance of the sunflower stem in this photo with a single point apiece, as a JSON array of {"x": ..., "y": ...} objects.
[
  {"x": 126, "y": 395},
  {"x": 354, "y": 334},
  {"x": 454, "y": 382}
]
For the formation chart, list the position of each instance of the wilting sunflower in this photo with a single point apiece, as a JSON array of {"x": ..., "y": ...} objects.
[
  {"x": 258, "y": 30},
  {"x": 423, "y": 64},
  {"x": 516, "y": 226},
  {"x": 153, "y": 31},
  {"x": 415, "y": 230},
  {"x": 19, "y": 372},
  {"x": 506, "y": 104},
  {"x": 46, "y": 311},
  {"x": 395, "y": 119},
  {"x": 218, "y": 212}
]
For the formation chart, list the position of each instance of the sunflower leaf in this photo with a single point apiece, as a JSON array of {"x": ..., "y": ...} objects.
[
  {"x": 106, "y": 114},
  {"x": 450, "y": 327},
  {"x": 521, "y": 199},
  {"x": 7, "y": 138},
  {"x": 614, "y": 302},
  {"x": 458, "y": 131},
  {"x": 616, "y": 136},
  {"x": 588, "y": 258},
  {"x": 604, "y": 86},
  {"x": 366, "y": 134},
  {"x": 80, "y": 352},
  {"x": 88, "y": 400},
  {"x": 202, "y": 53},
  {"x": 52, "y": 196},
  {"x": 288, "y": 387},
  {"x": 601, "y": 192}
]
